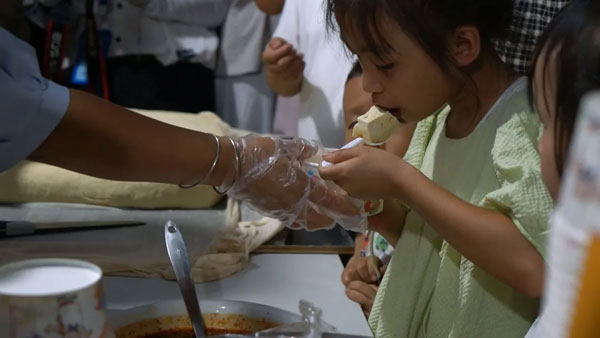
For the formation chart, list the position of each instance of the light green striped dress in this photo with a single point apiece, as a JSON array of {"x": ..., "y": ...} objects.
[{"x": 430, "y": 289}]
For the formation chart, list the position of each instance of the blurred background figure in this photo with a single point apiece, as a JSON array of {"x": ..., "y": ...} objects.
[
  {"x": 148, "y": 54},
  {"x": 299, "y": 60},
  {"x": 244, "y": 98}
]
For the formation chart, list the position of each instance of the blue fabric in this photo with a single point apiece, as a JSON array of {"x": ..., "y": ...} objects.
[{"x": 30, "y": 106}]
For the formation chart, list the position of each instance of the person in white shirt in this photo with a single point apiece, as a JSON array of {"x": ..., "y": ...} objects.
[{"x": 303, "y": 58}]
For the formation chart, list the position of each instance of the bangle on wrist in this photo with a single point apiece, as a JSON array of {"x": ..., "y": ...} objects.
[
  {"x": 221, "y": 189},
  {"x": 212, "y": 167}
]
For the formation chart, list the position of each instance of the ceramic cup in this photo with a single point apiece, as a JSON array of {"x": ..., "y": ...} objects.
[{"x": 52, "y": 298}]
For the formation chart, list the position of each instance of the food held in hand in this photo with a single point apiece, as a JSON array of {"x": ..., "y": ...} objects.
[{"x": 375, "y": 126}]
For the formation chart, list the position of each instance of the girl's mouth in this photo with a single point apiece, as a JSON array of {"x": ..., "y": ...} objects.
[{"x": 397, "y": 114}]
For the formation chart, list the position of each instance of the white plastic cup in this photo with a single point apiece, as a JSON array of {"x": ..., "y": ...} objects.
[{"x": 52, "y": 298}]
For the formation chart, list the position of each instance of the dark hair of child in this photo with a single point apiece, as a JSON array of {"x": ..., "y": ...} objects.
[
  {"x": 429, "y": 22},
  {"x": 573, "y": 40},
  {"x": 355, "y": 71}
]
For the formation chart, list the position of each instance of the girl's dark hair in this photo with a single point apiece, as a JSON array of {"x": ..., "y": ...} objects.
[
  {"x": 355, "y": 71},
  {"x": 429, "y": 22},
  {"x": 571, "y": 45}
]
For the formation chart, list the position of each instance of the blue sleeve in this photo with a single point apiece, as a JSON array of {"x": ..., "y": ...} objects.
[{"x": 31, "y": 105}]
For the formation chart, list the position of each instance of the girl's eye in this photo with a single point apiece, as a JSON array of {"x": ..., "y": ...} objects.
[{"x": 388, "y": 66}]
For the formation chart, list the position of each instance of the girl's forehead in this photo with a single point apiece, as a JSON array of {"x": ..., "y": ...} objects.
[{"x": 363, "y": 36}]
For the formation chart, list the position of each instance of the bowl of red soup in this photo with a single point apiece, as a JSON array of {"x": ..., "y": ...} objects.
[{"x": 169, "y": 319}]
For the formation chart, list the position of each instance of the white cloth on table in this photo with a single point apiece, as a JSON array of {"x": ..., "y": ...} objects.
[{"x": 219, "y": 242}]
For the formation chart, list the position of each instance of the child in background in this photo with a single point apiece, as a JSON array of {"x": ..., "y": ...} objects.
[
  {"x": 372, "y": 252},
  {"x": 470, "y": 241},
  {"x": 567, "y": 67}
]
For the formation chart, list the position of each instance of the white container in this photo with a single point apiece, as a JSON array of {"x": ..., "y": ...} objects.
[{"x": 52, "y": 298}]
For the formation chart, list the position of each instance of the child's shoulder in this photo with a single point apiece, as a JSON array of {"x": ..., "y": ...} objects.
[
  {"x": 517, "y": 116},
  {"x": 523, "y": 125}
]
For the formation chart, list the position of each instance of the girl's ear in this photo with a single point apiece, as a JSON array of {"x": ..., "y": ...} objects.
[{"x": 465, "y": 45}]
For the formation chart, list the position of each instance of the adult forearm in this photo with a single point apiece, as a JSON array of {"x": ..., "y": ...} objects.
[
  {"x": 283, "y": 87},
  {"x": 487, "y": 238},
  {"x": 104, "y": 140}
]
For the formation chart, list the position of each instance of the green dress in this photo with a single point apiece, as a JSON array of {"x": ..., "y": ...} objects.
[{"x": 430, "y": 289}]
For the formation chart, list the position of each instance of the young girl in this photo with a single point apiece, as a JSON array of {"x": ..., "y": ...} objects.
[
  {"x": 567, "y": 67},
  {"x": 468, "y": 262}
]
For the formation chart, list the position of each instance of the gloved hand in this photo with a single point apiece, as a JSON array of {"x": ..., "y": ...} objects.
[{"x": 271, "y": 179}]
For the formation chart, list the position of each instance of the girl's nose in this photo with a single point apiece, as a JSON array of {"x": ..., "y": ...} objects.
[{"x": 371, "y": 84}]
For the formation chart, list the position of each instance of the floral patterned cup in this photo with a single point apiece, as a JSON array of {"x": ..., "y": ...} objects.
[{"x": 52, "y": 298}]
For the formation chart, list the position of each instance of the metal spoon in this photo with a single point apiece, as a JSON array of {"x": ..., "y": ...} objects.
[{"x": 181, "y": 265}]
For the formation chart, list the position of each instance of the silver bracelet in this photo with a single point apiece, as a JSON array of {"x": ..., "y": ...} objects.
[
  {"x": 236, "y": 168},
  {"x": 212, "y": 167}
]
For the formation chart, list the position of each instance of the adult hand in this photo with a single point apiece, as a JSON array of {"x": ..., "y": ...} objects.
[
  {"x": 271, "y": 179},
  {"x": 365, "y": 172}
]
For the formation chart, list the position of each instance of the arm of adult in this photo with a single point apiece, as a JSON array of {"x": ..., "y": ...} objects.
[
  {"x": 101, "y": 139},
  {"x": 75, "y": 130}
]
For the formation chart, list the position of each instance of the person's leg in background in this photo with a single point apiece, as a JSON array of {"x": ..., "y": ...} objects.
[{"x": 246, "y": 102}]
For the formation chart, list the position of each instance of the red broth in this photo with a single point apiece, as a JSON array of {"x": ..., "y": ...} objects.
[
  {"x": 179, "y": 326},
  {"x": 189, "y": 333}
]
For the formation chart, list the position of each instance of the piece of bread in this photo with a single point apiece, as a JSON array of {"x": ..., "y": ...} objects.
[{"x": 375, "y": 126}]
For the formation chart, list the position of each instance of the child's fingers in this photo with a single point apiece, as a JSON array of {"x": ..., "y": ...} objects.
[
  {"x": 297, "y": 68},
  {"x": 374, "y": 268},
  {"x": 349, "y": 273},
  {"x": 276, "y": 42},
  {"x": 342, "y": 155},
  {"x": 272, "y": 56},
  {"x": 365, "y": 272},
  {"x": 285, "y": 63},
  {"x": 361, "y": 293},
  {"x": 337, "y": 170}
]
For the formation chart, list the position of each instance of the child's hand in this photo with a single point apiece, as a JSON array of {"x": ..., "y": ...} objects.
[
  {"x": 360, "y": 281},
  {"x": 358, "y": 268},
  {"x": 364, "y": 172},
  {"x": 363, "y": 294},
  {"x": 282, "y": 60}
]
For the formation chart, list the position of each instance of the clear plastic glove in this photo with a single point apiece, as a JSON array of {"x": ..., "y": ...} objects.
[{"x": 271, "y": 180}]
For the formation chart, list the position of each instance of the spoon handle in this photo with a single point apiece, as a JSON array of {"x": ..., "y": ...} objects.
[
  {"x": 356, "y": 142},
  {"x": 181, "y": 265}
]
